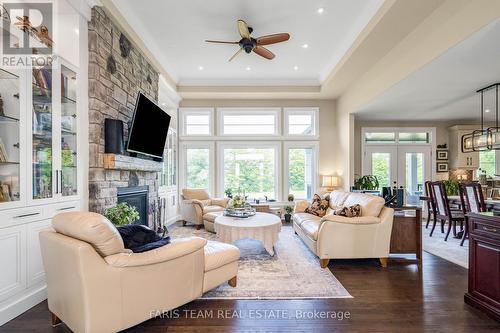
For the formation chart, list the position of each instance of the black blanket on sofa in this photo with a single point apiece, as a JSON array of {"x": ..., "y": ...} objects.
[{"x": 140, "y": 238}]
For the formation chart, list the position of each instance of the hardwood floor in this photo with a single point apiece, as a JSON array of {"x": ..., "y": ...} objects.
[{"x": 400, "y": 298}]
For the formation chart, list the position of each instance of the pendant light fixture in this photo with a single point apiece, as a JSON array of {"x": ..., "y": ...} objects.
[
  {"x": 494, "y": 132},
  {"x": 483, "y": 139}
]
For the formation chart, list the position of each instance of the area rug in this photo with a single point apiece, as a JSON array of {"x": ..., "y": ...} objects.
[
  {"x": 292, "y": 273},
  {"x": 449, "y": 250}
]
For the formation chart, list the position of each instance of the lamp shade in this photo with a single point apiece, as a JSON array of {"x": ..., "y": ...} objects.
[{"x": 330, "y": 181}]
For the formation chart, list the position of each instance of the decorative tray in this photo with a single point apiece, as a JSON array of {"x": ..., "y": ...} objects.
[{"x": 239, "y": 212}]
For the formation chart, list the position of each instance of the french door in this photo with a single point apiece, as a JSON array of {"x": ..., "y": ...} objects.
[{"x": 407, "y": 166}]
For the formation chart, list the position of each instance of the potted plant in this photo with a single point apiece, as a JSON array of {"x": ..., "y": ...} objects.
[
  {"x": 122, "y": 214},
  {"x": 288, "y": 213},
  {"x": 451, "y": 187},
  {"x": 367, "y": 182},
  {"x": 238, "y": 201},
  {"x": 291, "y": 197},
  {"x": 229, "y": 193}
]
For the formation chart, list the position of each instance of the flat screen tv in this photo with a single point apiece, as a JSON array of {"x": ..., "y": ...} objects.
[{"x": 149, "y": 128}]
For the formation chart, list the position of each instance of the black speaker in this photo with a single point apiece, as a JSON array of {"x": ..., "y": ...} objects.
[{"x": 113, "y": 136}]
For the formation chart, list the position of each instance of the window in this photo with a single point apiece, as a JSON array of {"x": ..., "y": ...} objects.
[
  {"x": 249, "y": 122},
  {"x": 302, "y": 175},
  {"x": 196, "y": 122},
  {"x": 414, "y": 137},
  {"x": 301, "y": 121},
  {"x": 250, "y": 171},
  {"x": 197, "y": 167},
  {"x": 487, "y": 162},
  {"x": 381, "y": 168},
  {"x": 380, "y": 137}
]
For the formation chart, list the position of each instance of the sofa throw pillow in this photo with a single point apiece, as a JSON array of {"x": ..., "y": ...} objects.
[
  {"x": 318, "y": 206},
  {"x": 140, "y": 238},
  {"x": 352, "y": 211}
]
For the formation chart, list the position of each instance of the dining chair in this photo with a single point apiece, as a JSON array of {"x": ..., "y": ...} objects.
[
  {"x": 431, "y": 208},
  {"x": 443, "y": 211},
  {"x": 472, "y": 198}
]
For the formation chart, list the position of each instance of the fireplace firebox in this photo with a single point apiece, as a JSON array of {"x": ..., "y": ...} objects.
[{"x": 136, "y": 197}]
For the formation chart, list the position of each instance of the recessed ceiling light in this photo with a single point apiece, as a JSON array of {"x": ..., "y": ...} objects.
[
  {"x": 487, "y": 110},
  {"x": 295, "y": 68},
  {"x": 248, "y": 68},
  {"x": 321, "y": 10},
  {"x": 163, "y": 104},
  {"x": 305, "y": 46},
  {"x": 200, "y": 68}
]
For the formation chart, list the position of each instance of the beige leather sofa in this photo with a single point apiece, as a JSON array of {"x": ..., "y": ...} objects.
[
  {"x": 337, "y": 237},
  {"x": 195, "y": 203},
  {"x": 96, "y": 285}
]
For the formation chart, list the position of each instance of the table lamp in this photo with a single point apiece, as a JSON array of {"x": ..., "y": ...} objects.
[{"x": 329, "y": 182}]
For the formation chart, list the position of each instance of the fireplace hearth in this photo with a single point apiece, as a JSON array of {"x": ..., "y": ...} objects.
[{"x": 137, "y": 197}]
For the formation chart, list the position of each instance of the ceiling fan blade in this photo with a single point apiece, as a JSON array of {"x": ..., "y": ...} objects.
[
  {"x": 273, "y": 39},
  {"x": 243, "y": 29},
  {"x": 236, "y": 54},
  {"x": 263, "y": 52},
  {"x": 220, "y": 42}
]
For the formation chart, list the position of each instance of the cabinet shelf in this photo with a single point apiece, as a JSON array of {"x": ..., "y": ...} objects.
[
  {"x": 8, "y": 119},
  {"x": 5, "y": 75}
]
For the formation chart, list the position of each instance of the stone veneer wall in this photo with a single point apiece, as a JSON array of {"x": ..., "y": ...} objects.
[{"x": 113, "y": 96}]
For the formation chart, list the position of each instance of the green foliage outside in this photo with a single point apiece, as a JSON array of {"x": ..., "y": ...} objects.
[
  {"x": 250, "y": 171},
  {"x": 487, "y": 162},
  {"x": 380, "y": 168},
  {"x": 122, "y": 214},
  {"x": 197, "y": 168}
]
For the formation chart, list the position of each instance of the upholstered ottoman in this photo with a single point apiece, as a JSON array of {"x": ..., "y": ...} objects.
[
  {"x": 209, "y": 220},
  {"x": 221, "y": 264}
]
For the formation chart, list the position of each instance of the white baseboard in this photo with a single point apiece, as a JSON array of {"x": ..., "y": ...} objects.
[
  {"x": 172, "y": 220},
  {"x": 23, "y": 304}
]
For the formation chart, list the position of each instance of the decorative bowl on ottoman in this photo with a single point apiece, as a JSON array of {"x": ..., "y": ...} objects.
[{"x": 244, "y": 212}]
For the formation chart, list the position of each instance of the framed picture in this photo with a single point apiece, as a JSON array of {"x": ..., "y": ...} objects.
[
  {"x": 442, "y": 155},
  {"x": 442, "y": 167}
]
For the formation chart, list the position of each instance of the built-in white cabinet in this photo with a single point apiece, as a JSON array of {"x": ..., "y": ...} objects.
[
  {"x": 457, "y": 159},
  {"x": 168, "y": 178},
  {"x": 39, "y": 168}
]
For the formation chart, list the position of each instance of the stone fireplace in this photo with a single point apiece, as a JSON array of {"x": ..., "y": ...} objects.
[
  {"x": 113, "y": 95},
  {"x": 136, "y": 196}
]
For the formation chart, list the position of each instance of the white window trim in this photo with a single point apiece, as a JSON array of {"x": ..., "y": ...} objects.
[
  {"x": 183, "y": 162},
  {"x": 276, "y": 112},
  {"x": 249, "y": 144},
  {"x": 302, "y": 111},
  {"x": 184, "y": 112},
  {"x": 286, "y": 160}
]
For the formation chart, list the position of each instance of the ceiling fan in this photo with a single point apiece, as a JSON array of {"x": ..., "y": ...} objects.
[{"x": 248, "y": 44}]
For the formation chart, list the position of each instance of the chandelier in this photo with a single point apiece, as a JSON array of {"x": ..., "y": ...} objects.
[{"x": 483, "y": 139}]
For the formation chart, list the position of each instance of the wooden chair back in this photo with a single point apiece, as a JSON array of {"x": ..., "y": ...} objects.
[
  {"x": 440, "y": 199},
  {"x": 471, "y": 196}
]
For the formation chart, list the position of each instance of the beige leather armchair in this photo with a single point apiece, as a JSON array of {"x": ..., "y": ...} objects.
[
  {"x": 196, "y": 202},
  {"x": 96, "y": 285}
]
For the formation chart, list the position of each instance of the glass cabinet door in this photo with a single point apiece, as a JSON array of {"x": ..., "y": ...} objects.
[
  {"x": 42, "y": 138},
  {"x": 10, "y": 134},
  {"x": 68, "y": 171}
]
